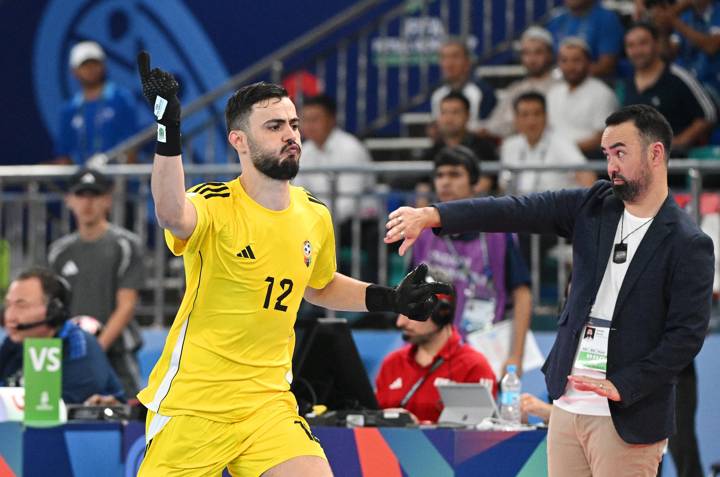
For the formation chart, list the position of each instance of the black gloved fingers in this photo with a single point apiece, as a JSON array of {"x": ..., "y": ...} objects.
[
  {"x": 416, "y": 275},
  {"x": 421, "y": 311},
  {"x": 440, "y": 288},
  {"x": 143, "y": 60},
  {"x": 421, "y": 292}
]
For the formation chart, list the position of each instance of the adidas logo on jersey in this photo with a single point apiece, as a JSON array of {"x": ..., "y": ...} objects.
[{"x": 246, "y": 253}]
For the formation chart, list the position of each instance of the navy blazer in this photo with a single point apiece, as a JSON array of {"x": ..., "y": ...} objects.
[{"x": 662, "y": 310}]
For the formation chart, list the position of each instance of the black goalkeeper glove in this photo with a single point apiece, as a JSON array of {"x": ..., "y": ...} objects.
[
  {"x": 160, "y": 89},
  {"x": 413, "y": 297}
]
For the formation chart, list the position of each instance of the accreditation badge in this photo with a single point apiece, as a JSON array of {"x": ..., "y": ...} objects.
[
  {"x": 478, "y": 314},
  {"x": 592, "y": 353}
]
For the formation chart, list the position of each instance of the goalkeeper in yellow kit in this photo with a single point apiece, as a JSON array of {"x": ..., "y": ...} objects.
[{"x": 253, "y": 248}]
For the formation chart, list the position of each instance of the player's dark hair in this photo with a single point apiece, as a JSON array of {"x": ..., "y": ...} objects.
[
  {"x": 459, "y": 156},
  {"x": 529, "y": 96},
  {"x": 651, "y": 125},
  {"x": 457, "y": 96},
  {"x": 239, "y": 106},
  {"x": 647, "y": 26},
  {"x": 323, "y": 101}
]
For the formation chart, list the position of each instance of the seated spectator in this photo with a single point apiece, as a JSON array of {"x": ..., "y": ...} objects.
[
  {"x": 486, "y": 269},
  {"x": 537, "y": 144},
  {"x": 326, "y": 144},
  {"x": 599, "y": 27},
  {"x": 100, "y": 116},
  {"x": 36, "y": 306},
  {"x": 578, "y": 106},
  {"x": 456, "y": 70},
  {"x": 435, "y": 353},
  {"x": 453, "y": 130},
  {"x": 669, "y": 88},
  {"x": 536, "y": 56}
]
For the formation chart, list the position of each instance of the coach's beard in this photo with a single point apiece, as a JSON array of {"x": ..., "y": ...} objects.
[{"x": 275, "y": 167}]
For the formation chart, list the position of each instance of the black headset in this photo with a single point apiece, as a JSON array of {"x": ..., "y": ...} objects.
[{"x": 444, "y": 312}]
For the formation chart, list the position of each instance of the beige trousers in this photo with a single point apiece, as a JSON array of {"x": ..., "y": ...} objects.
[{"x": 579, "y": 445}]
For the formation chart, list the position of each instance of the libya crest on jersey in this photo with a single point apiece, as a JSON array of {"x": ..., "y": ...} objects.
[{"x": 307, "y": 251}]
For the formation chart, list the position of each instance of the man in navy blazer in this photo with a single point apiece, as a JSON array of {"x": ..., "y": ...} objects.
[{"x": 642, "y": 281}]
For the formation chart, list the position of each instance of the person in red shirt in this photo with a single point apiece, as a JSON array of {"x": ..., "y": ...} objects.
[{"x": 435, "y": 354}]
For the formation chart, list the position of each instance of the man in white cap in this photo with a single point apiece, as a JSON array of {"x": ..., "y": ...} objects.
[
  {"x": 536, "y": 56},
  {"x": 97, "y": 117}
]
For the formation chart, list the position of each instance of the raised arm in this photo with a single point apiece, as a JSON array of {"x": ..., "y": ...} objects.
[{"x": 173, "y": 210}]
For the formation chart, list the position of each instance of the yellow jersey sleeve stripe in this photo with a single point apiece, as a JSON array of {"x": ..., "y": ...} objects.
[
  {"x": 207, "y": 189},
  {"x": 210, "y": 196},
  {"x": 204, "y": 184}
]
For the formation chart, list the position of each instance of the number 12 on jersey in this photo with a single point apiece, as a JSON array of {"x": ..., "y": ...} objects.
[{"x": 286, "y": 285}]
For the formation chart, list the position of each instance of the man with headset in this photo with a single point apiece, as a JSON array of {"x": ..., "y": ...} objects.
[
  {"x": 36, "y": 307},
  {"x": 435, "y": 354}
]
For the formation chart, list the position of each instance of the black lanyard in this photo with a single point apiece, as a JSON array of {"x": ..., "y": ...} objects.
[{"x": 420, "y": 381}]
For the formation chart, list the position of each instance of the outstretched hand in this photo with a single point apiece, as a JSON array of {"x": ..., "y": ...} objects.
[
  {"x": 406, "y": 224},
  {"x": 415, "y": 298}
]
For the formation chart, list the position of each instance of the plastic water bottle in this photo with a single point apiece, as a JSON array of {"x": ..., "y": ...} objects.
[{"x": 510, "y": 396}]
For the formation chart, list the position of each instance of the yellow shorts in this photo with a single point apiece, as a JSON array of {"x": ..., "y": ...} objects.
[{"x": 195, "y": 446}]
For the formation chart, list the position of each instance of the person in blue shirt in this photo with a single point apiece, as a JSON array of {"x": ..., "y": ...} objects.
[
  {"x": 99, "y": 116},
  {"x": 695, "y": 42},
  {"x": 36, "y": 307},
  {"x": 599, "y": 27}
]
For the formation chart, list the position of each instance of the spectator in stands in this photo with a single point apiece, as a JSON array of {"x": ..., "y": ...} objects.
[
  {"x": 695, "y": 43},
  {"x": 456, "y": 70},
  {"x": 326, "y": 144},
  {"x": 100, "y": 116},
  {"x": 537, "y": 144},
  {"x": 599, "y": 27},
  {"x": 578, "y": 106},
  {"x": 104, "y": 263},
  {"x": 669, "y": 88},
  {"x": 487, "y": 270},
  {"x": 435, "y": 353},
  {"x": 36, "y": 306},
  {"x": 536, "y": 56},
  {"x": 453, "y": 130}
]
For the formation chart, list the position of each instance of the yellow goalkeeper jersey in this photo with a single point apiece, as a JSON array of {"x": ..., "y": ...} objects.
[{"x": 230, "y": 348}]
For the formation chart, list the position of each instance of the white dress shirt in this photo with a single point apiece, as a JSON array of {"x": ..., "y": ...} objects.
[
  {"x": 340, "y": 149},
  {"x": 552, "y": 149}
]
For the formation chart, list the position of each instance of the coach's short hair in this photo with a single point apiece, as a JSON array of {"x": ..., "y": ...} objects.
[
  {"x": 240, "y": 104},
  {"x": 649, "y": 122}
]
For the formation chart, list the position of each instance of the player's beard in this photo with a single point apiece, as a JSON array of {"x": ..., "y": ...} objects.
[
  {"x": 632, "y": 189},
  {"x": 273, "y": 165}
]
